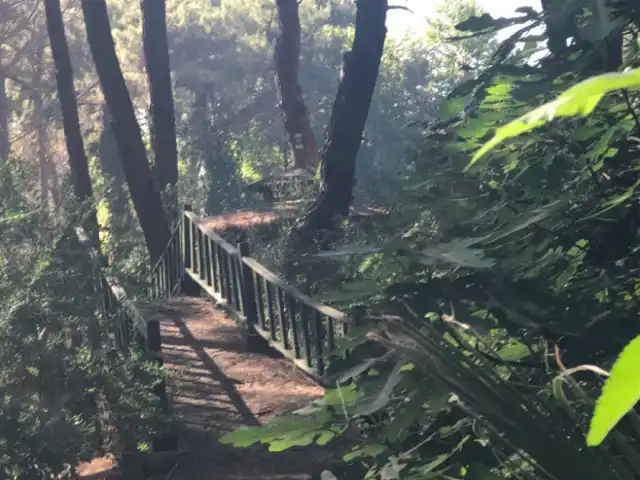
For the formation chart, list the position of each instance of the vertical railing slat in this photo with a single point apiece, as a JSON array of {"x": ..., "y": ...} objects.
[
  {"x": 331, "y": 342},
  {"x": 305, "y": 320},
  {"x": 224, "y": 274},
  {"x": 202, "y": 259},
  {"x": 284, "y": 329},
  {"x": 258, "y": 287},
  {"x": 194, "y": 250},
  {"x": 271, "y": 311},
  {"x": 248, "y": 299},
  {"x": 212, "y": 265},
  {"x": 318, "y": 334},
  {"x": 207, "y": 260},
  {"x": 237, "y": 283},
  {"x": 293, "y": 323}
]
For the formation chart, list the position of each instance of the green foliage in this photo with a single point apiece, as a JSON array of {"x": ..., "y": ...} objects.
[
  {"x": 50, "y": 384},
  {"x": 620, "y": 394},
  {"x": 483, "y": 286},
  {"x": 579, "y": 100},
  {"x": 285, "y": 432}
]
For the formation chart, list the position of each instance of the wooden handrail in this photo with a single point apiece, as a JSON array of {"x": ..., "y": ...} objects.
[
  {"x": 118, "y": 292},
  {"x": 272, "y": 312},
  {"x": 267, "y": 274},
  {"x": 148, "y": 332},
  {"x": 294, "y": 292},
  {"x": 174, "y": 232},
  {"x": 196, "y": 220}
]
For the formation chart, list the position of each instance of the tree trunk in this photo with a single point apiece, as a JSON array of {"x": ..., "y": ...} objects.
[
  {"x": 78, "y": 163},
  {"x": 557, "y": 31},
  {"x": 42, "y": 139},
  {"x": 144, "y": 194},
  {"x": 287, "y": 59},
  {"x": 163, "y": 125},
  {"x": 348, "y": 117},
  {"x": 4, "y": 121},
  {"x": 211, "y": 134},
  {"x": 111, "y": 166}
]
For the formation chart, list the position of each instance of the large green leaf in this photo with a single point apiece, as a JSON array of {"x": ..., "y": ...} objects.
[
  {"x": 620, "y": 394},
  {"x": 285, "y": 432},
  {"x": 579, "y": 100}
]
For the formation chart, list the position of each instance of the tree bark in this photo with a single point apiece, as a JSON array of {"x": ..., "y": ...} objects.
[
  {"x": 111, "y": 166},
  {"x": 294, "y": 111},
  {"x": 42, "y": 138},
  {"x": 557, "y": 32},
  {"x": 211, "y": 134},
  {"x": 163, "y": 124},
  {"x": 144, "y": 194},
  {"x": 4, "y": 121},
  {"x": 78, "y": 163},
  {"x": 348, "y": 117}
]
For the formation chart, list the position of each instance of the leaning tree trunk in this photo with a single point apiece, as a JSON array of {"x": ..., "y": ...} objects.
[
  {"x": 144, "y": 194},
  {"x": 287, "y": 59},
  {"x": 163, "y": 124},
  {"x": 78, "y": 163},
  {"x": 348, "y": 117}
]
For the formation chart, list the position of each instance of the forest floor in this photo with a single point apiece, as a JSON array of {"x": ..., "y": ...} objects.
[
  {"x": 251, "y": 218},
  {"x": 216, "y": 387}
]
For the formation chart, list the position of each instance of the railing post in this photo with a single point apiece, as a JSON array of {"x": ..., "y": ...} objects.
[
  {"x": 190, "y": 287},
  {"x": 167, "y": 441},
  {"x": 254, "y": 342},
  {"x": 358, "y": 313}
]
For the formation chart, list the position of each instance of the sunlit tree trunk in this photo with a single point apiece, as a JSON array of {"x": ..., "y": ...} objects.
[
  {"x": 146, "y": 198},
  {"x": 210, "y": 134},
  {"x": 4, "y": 121},
  {"x": 350, "y": 110},
  {"x": 42, "y": 137},
  {"x": 78, "y": 163},
  {"x": 294, "y": 111},
  {"x": 112, "y": 169},
  {"x": 163, "y": 126}
]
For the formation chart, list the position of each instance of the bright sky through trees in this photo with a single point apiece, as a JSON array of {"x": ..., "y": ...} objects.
[{"x": 401, "y": 22}]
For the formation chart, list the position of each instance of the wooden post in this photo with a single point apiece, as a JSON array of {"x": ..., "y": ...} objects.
[
  {"x": 168, "y": 441},
  {"x": 358, "y": 313},
  {"x": 189, "y": 287},
  {"x": 255, "y": 343}
]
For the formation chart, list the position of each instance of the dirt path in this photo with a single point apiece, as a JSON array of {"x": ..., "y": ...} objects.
[
  {"x": 221, "y": 387},
  {"x": 218, "y": 387}
]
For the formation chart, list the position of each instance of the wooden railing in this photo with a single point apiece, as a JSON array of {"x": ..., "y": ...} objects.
[
  {"x": 168, "y": 272},
  {"x": 300, "y": 328},
  {"x": 128, "y": 329}
]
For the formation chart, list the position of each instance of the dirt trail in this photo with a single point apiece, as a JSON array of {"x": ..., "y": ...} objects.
[{"x": 219, "y": 387}]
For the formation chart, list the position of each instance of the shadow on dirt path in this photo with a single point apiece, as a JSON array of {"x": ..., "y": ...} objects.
[{"x": 218, "y": 386}]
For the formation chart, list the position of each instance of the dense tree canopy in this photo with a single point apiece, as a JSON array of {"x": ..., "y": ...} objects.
[{"x": 495, "y": 282}]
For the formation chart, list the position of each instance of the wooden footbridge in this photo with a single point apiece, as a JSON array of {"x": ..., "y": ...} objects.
[{"x": 239, "y": 345}]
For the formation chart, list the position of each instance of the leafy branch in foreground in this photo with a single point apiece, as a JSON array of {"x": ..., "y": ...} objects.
[
  {"x": 620, "y": 394},
  {"x": 579, "y": 100},
  {"x": 313, "y": 424}
]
